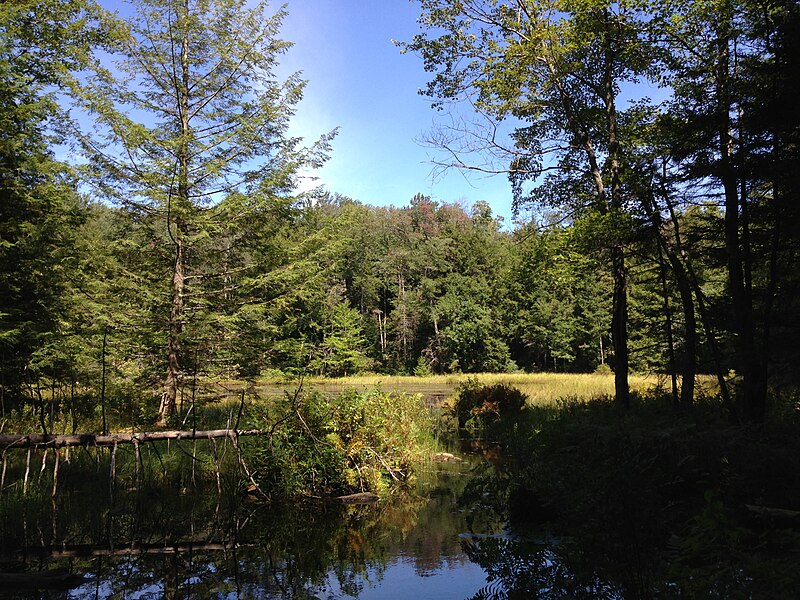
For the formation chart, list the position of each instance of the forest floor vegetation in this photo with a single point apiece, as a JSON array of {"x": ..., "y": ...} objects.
[
  {"x": 650, "y": 501},
  {"x": 305, "y": 443}
]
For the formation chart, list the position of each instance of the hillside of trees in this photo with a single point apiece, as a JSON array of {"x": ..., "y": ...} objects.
[{"x": 173, "y": 244}]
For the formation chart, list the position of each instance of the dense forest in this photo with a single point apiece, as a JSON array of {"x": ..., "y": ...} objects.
[
  {"x": 156, "y": 247},
  {"x": 151, "y": 232}
]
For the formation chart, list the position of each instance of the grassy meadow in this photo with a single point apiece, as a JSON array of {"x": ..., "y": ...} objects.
[{"x": 541, "y": 388}]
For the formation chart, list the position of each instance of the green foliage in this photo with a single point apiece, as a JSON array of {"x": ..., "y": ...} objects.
[
  {"x": 422, "y": 369},
  {"x": 479, "y": 406},
  {"x": 40, "y": 210},
  {"x": 517, "y": 568},
  {"x": 469, "y": 337},
  {"x": 557, "y": 298},
  {"x": 328, "y": 446},
  {"x": 343, "y": 346},
  {"x": 194, "y": 143}
]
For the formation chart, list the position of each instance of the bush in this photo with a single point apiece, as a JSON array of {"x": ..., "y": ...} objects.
[
  {"x": 478, "y": 406},
  {"x": 603, "y": 369},
  {"x": 327, "y": 446}
]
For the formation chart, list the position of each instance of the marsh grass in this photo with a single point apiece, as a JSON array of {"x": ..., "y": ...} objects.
[{"x": 542, "y": 389}]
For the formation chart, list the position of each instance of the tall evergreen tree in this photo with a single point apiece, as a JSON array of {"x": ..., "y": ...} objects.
[
  {"x": 189, "y": 114},
  {"x": 40, "y": 40},
  {"x": 734, "y": 140}
]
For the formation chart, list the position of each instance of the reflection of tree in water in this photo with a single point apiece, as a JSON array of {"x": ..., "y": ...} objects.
[
  {"x": 434, "y": 539},
  {"x": 517, "y": 569},
  {"x": 485, "y": 498},
  {"x": 161, "y": 543},
  {"x": 191, "y": 546}
]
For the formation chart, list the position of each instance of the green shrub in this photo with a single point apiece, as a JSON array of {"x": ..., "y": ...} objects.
[
  {"x": 479, "y": 405},
  {"x": 423, "y": 369},
  {"x": 327, "y": 446},
  {"x": 603, "y": 369}
]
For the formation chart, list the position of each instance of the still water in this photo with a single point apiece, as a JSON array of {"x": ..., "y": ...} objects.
[{"x": 157, "y": 543}]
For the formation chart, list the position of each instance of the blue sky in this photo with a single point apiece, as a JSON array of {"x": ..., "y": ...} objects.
[{"x": 358, "y": 81}]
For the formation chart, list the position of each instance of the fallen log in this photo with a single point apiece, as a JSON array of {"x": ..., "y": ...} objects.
[
  {"x": 783, "y": 516},
  {"x": 359, "y": 498},
  {"x": 91, "y": 440},
  {"x": 446, "y": 457}
]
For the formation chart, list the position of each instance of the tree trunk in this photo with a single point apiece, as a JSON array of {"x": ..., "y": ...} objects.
[
  {"x": 170, "y": 395},
  {"x": 748, "y": 361},
  {"x": 619, "y": 317},
  {"x": 619, "y": 328},
  {"x": 91, "y": 440},
  {"x": 179, "y": 238},
  {"x": 689, "y": 362},
  {"x": 673, "y": 252},
  {"x": 127, "y": 548},
  {"x": 673, "y": 367}
]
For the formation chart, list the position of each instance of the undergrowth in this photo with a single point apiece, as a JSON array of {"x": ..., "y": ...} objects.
[
  {"x": 479, "y": 406},
  {"x": 659, "y": 503},
  {"x": 325, "y": 446},
  {"x": 309, "y": 445}
]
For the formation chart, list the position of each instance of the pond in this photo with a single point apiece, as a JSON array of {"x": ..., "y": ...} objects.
[{"x": 423, "y": 542}]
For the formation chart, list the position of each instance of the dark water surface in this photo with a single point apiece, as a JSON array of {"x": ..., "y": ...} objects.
[{"x": 192, "y": 543}]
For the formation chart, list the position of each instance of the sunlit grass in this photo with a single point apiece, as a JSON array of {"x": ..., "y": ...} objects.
[{"x": 541, "y": 388}]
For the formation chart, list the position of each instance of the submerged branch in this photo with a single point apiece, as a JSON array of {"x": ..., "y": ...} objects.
[{"x": 62, "y": 551}]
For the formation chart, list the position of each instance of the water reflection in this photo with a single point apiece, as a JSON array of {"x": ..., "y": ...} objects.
[
  {"x": 160, "y": 543},
  {"x": 517, "y": 567}
]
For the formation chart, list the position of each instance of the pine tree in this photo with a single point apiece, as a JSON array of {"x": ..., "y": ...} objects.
[
  {"x": 39, "y": 207},
  {"x": 190, "y": 114}
]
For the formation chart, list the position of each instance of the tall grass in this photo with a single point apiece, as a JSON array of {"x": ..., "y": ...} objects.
[{"x": 542, "y": 389}]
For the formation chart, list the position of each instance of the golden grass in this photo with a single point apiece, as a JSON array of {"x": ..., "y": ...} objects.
[{"x": 541, "y": 388}]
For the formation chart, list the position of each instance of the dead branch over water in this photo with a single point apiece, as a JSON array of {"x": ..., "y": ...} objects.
[{"x": 90, "y": 440}]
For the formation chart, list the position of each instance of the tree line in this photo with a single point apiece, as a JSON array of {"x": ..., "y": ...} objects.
[{"x": 151, "y": 232}]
